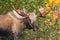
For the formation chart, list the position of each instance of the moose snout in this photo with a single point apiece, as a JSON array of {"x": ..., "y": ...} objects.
[{"x": 35, "y": 27}]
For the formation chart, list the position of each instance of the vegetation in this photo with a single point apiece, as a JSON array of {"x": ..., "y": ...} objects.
[{"x": 49, "y": 27}]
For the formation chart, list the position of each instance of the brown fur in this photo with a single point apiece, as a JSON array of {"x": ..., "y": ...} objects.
[
  {"x": 5, "y": 22},
  {"x": 10, "y": 23}
]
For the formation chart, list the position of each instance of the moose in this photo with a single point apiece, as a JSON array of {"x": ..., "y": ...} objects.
[{"x": 14, "y": 23}]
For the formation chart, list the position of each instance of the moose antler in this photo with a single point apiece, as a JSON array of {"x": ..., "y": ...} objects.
[
  {"x": 22, "y": 13},
  {"x": 42, "y": 11}
]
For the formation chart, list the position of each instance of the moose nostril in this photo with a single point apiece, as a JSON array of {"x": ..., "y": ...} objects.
[{"x": 36, "y": 29}]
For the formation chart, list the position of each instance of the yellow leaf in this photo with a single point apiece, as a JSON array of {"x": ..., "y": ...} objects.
[
  {"x": 57, "y": 1},
  {"x": 49, "y": 14},
  {"x": 47, "y": 5},
  {"x": 47, "y": 9},
  {"x": 50, "y": 1}
]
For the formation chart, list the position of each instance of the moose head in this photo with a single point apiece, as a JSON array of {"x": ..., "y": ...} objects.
[{"x": 30, "y": 19}]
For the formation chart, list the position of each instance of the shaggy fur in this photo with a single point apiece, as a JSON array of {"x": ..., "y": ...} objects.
[{"x": 13, "y": 23}]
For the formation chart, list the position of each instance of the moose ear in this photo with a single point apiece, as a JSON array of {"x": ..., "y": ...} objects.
[{"x": 34, "y": 11}]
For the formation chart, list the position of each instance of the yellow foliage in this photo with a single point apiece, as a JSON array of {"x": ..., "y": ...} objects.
[
  {"x": 47, "y": 5},
  {"x": 57, "y": 1},
  {"x": 49, "y": 14},
  {"x": 47, "y": 9},
  {"x": 54, "y": 1},
  {"x": 51, "y": 1},
  {"x": 55, "y": 15}
]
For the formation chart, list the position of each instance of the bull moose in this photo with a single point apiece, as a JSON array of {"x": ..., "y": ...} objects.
[{"x": 14, "y": 22}]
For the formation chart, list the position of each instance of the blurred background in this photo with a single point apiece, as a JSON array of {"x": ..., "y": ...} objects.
[{"x": 49, "y": 27}]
